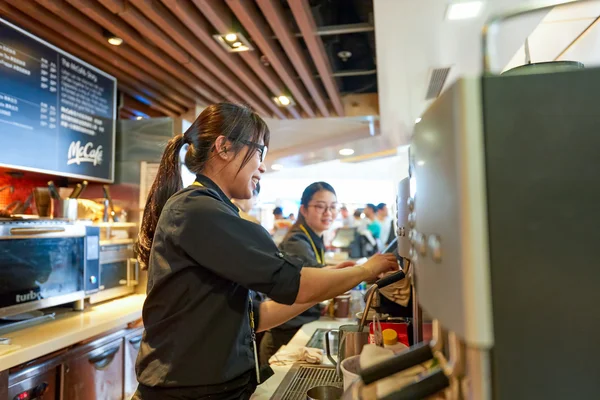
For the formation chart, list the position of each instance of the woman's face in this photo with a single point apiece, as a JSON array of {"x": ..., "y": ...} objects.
[
  {"x": 321, "y": 211},
  {"x": 245, "y": 181}
]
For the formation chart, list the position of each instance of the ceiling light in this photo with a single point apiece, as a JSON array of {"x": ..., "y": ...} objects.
[
  {"x": 464, "y": 10},
  {"x": 283, "y": 101},
  {"x": 139, "y": 117},
  {"x": 346, "y": 152},
  {"x": 418, "y": 120},
  {"x": 234, "y": 42},
  {"x": 276, "y": 167},
  {"x": 112, "y": 38}
]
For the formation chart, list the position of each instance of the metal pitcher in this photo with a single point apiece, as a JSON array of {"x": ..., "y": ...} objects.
[{"x": 350, "y": 342}]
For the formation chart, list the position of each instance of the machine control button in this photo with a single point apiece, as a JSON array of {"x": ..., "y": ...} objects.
[
  {"x": 401, "y": 231},
  {"x": 421, "y": 244},
  {"x": 93, "y": 280},
  {"x": 435, "y": 247},
  {"x": 412, "y": 254},
  {"x": 411, "y": 236},
  {"x": 412, "y": 220},
  {"x": 410, "y": 202}
]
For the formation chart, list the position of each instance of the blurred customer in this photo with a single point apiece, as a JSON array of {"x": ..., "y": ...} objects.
[
  {"x": 292, "y": 217},
  {"x": 280, "y": 224},
  {"x": 387, "y": 225},
  {"x": 347, "y": 219},
  {"x": 370, "y": 229}
]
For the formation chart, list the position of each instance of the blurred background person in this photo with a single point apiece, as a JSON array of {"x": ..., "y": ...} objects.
[
  {"x": 347, "y": 219},
  {"x": 370, "y": 229},
  {"x": 386, "y": 234}
]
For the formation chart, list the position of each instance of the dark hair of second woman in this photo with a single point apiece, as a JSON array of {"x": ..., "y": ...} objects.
[
  {"x": 238, "y": 124},
  {"x": 307, "y": 196}
]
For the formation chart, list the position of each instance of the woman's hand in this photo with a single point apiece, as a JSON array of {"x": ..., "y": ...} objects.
[
  {"x": 343, "y": 265},
  {"x": 380, "y": 263}
]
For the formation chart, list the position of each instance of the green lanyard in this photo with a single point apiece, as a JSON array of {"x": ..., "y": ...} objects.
[{"x": 251, "y": 317}]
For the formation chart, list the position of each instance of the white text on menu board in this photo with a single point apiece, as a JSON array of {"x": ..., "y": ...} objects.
[
  {"x": 48, "y": 81},
  {"x": 80, "y": 98},
  {"x": 9, "y": 59}
]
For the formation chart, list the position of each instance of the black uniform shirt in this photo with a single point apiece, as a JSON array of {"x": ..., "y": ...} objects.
[
  {"x": 203, "y": 262},
  {"x": 298, "y": 245}
]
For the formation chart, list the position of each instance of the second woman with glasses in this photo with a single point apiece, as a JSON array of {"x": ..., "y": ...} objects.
[{"x": 304, "y": 241}]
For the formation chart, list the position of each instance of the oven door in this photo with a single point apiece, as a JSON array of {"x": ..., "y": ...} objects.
[
  {"x": 40, "y": 267},
  {"x": 118, "y": 271}
]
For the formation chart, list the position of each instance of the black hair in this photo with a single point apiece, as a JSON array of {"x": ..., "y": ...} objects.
[
  {"x": 239, "y": 124},
  {"x": 380, "y": 206},
  {"x": 372, "y": 207},
  {"x": 307, "y": 196},
  {"x": 278, "y": 211}
]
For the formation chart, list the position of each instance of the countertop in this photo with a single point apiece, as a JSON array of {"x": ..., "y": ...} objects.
[
  {"x": 266, "y": 390},
  {"x": 70, "y": 328}
]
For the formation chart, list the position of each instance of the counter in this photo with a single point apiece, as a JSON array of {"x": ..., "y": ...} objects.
[
  {"x": 266, "y": 390},
  {"x": 70, "y": 328}
]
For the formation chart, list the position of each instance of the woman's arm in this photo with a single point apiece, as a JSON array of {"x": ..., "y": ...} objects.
[
  {"x": 273, "y": 314},
  {"x": 319, "y": 284}
]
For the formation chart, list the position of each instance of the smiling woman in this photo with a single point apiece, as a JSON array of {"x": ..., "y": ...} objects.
[
  {"x": 204, "y": 263},
  {"x": 318, "y": 209}
]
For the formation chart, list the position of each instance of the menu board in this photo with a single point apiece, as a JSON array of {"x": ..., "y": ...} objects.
[{"x": 57, "y": 113}]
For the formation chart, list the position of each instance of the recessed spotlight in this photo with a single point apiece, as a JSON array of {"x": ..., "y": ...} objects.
[
  {"x": 139, "y": 117},
  {"x": 234, "y": 42},
  {"x": 418, "y": 120},
  {"x": 283, "y": 101},
  {"x": 112, "y": 38},
  {"x": 464, "y": 10},
  {"x": 420, "y": 163},
  {"x": 276, "y": 167},
  {"x": 346, "y": 152}
]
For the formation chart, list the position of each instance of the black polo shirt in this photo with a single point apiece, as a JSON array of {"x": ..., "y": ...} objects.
[
  {"x": 298, "y": 245},
  {"x": 204, "y": 261}
]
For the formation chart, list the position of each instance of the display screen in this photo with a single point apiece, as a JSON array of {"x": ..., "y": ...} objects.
[{"x": 57, "y": 113}]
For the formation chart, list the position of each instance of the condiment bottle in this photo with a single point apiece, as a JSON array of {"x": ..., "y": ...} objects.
[{"x": 390, "y": 341}]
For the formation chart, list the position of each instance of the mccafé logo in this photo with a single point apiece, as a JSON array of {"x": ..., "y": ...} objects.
[
  {"x": 78, "y": 154},
  {"x": 28, "y": 296}
]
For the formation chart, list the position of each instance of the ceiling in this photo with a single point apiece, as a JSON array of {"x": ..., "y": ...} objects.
[{"x": 169, "y": 61}]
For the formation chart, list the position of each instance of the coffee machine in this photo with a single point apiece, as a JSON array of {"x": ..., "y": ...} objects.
[{"x": 502, "y": 231}]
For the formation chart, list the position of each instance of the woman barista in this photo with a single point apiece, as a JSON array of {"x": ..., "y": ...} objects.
[
  {"x": 203, "y": 260},
  {"x": 318, "y": 209}
]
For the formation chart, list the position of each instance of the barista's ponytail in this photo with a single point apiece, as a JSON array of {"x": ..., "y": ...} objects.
[
  {"x": 166, "y": 184},
  {"x": 238, "y": 124}
]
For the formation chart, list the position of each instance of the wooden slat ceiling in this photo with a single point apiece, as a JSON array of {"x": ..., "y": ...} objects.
[{"x": 169, "y": 61}]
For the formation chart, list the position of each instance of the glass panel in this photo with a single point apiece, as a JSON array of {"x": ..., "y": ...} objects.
[
  {"x": 34, "y": 269},
  {"x": 113, "y": 274}
]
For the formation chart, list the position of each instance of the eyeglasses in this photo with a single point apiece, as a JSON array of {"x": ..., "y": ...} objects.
[
  {"x": 262, "y": 149},
  {"x": 322, "y": 207}
]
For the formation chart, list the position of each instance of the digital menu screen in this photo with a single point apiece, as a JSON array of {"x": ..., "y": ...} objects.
[{"x": 57, "y": 113}]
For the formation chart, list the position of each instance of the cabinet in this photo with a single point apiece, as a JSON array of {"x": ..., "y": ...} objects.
[
  {"x": 38, "y": 379},
  {"x": 132, "y": 343},
  {"x": 102, "y": 368},
  {"x": 95, "y": 372}
]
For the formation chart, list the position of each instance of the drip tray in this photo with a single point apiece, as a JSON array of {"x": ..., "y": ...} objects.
[{"x": 302, "y": 377}]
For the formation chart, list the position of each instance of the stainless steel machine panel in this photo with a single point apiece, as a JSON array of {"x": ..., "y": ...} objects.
[
  {"x": 405, "y": 204},
  {"x": 450, "y": 221}
]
